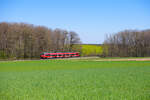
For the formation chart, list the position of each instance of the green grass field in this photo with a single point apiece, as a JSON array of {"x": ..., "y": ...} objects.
[{"x": 74, "y": 80}]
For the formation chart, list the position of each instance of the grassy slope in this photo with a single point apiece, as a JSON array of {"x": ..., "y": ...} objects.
[
  {"x": 88, "y": 50},
  {"x": 74, "y": 80}
]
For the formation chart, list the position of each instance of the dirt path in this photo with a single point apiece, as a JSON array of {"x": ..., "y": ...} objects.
[{"x": 126, "y": 59}]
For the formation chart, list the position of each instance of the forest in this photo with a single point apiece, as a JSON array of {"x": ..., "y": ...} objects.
[
  {"x": 21, "y": 40},
  {"x": 127, "y": 43}
]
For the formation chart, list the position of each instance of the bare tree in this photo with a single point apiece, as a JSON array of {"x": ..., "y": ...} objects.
[
  {"x": 73, "y": 39},
  {"x": 128, "y": 43},
  {"x": 21, "y": 40}
]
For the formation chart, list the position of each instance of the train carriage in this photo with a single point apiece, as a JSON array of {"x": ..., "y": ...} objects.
[{"x": 46, "y": 55}]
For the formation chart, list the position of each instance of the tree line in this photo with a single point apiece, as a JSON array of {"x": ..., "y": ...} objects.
[
  {"x": 128, "y": 43},
  {"x": 21, "y": 40}
]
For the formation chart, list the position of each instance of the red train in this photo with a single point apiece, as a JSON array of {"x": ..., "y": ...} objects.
[{"x": 46, "y": 55}]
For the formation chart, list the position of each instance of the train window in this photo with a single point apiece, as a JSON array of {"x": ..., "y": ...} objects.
[
  {"x": 48, "y": 55},
  {"x": 41, "y": 53}
]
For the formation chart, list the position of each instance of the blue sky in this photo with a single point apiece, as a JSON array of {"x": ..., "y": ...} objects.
[{"x": 91, "y": 19}]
